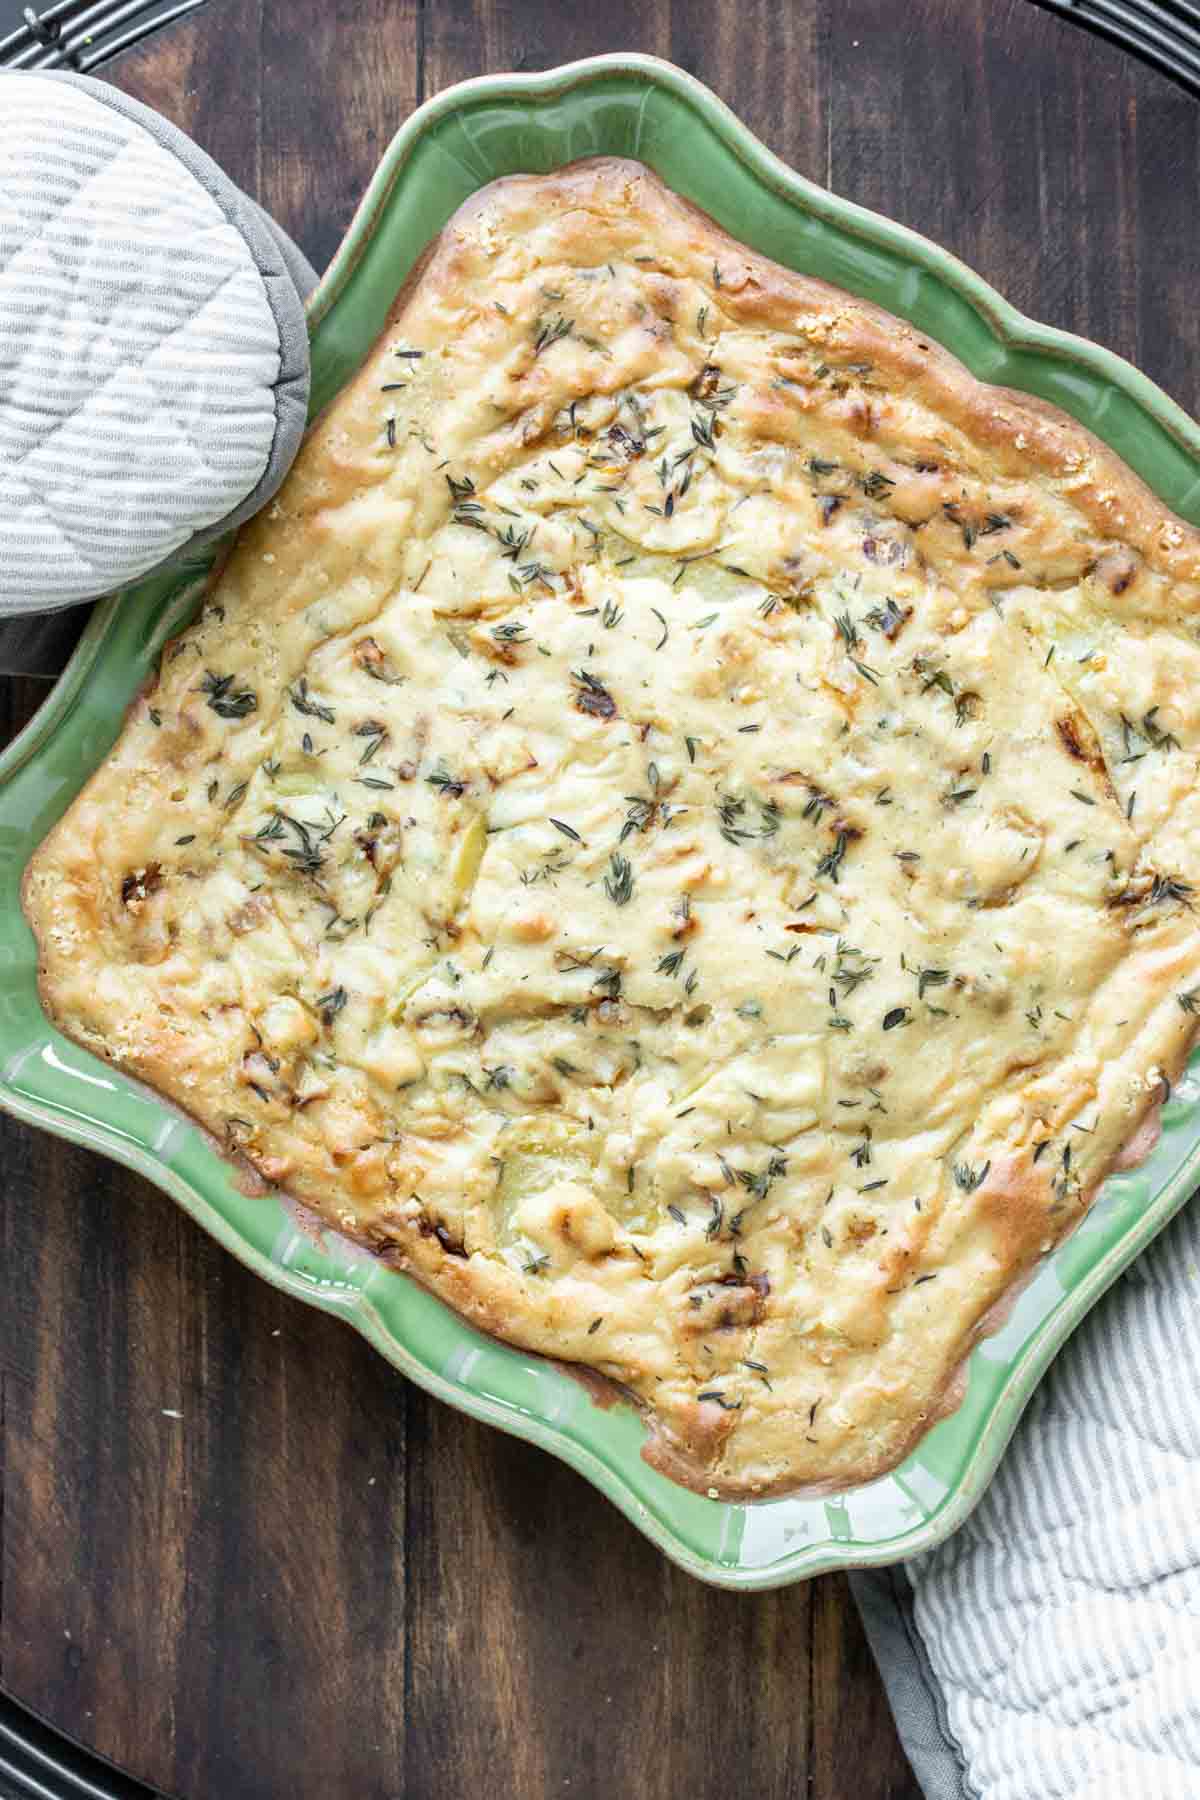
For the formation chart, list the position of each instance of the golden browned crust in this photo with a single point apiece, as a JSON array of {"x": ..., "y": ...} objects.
[{"x": 676, "y": 829}]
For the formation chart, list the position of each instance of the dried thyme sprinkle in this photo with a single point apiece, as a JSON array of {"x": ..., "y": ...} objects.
[
  {"x": 847, "y": 630},
  {"x": 549, "y": 332},
  {"x": 641, "y": 812},
  {"x": 1161, "y": 740},
  {"x": 330, "y": 1005},
  {"x": 938, "y": 679},
  {"x": 887, "y": 618},
  {"x": 447, "y": 784},
  {"x": 1166, "y": 888},
  {"x": 730, "y": 811},
  {"x": 592, "y": 696},
  {"x": 512, "y": 542},
  {"x": 618, "y": 883},
  {"x": 851, "y": 967},
  {"x": 304, "y": 703},
  {"x": 377, "y": 736},
  {"x": 832, "y": 861},
  {"x": 224, "y": 700},
  {"x": 968, "y": 1178}
]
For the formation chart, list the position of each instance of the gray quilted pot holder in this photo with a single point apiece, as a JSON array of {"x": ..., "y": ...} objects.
[{"x": 153, "y": 352}]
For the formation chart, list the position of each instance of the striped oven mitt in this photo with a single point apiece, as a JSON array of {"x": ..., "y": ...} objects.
[
  {"x": 1051, "y": 1649},
  {"x": 153, "y": 353}
]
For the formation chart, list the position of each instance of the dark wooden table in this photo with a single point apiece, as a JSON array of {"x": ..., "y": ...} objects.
[{"x": 314, "y": 1583}]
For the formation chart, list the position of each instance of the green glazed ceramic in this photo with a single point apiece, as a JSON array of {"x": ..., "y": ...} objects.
[{"x": 631, "y": 106}]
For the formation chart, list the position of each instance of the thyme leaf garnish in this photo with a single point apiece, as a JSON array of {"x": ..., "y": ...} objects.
[
  {"x": 592, "y": 696},
  {"x": 331, "y": 1004},
  {"x": 304, "y": 703},
  {"x": 832, "y": 861},
  {"x": 549, "y": 332},
  {"x": 448, "y": 785},
  {"x": 618, "y": 883},
  {"x": 968, "y": 1178},
  {"x": 224, "y": 700}
]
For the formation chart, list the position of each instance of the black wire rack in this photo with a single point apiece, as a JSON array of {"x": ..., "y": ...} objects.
[
  {"x": 1163, "y": 33},
  {"x": 83, "y": 34},
  {"x": 36, "y": 1762}
]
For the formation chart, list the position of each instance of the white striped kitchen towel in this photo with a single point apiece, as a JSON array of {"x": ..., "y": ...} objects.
[{"x": 1051, "y": 1649}]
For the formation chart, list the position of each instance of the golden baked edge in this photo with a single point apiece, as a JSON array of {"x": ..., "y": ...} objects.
[{"x": 1012, "y": 436}]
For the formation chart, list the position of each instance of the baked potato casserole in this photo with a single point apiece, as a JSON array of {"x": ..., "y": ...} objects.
[{"x": 678, "y": 828}]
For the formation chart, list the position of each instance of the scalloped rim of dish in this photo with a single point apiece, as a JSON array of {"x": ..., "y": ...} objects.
[{"x": 174, "y": 597}]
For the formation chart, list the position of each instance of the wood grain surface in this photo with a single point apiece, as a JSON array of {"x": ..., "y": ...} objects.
[{"x": 241, "y": 1556}]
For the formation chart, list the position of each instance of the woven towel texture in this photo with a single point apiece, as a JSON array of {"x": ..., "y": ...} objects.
[
  {"x": 1050, "y": 1649},
  {"x": 139, "y": 349}
]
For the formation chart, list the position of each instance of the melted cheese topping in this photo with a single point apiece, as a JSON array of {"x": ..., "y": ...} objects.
[{"x": 678, "y": 827}]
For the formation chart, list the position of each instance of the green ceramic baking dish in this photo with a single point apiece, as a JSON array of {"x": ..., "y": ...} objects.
[{"x": 631, "y": 106}]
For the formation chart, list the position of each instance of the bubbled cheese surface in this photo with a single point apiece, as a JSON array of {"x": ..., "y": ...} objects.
[{"x": 678, "y": 827}]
